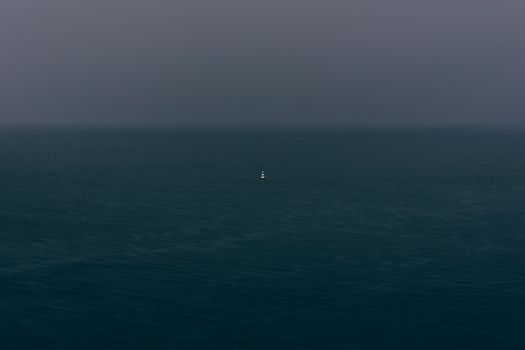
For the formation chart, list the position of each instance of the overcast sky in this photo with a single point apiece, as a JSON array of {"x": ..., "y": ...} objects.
[{"x": 262, "y": 61}]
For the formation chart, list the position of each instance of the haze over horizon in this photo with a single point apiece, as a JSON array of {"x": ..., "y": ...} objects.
[{"x": 204, "y": 62}]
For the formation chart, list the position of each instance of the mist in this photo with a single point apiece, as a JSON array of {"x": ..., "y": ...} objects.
[{"x": 373, "y": 62}]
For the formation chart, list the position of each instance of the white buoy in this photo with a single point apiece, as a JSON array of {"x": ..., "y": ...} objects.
[{"x": 263, "y": 176}]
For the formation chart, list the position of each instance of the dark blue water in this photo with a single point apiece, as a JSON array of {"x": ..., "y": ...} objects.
[{"x": 378, "y": 239}]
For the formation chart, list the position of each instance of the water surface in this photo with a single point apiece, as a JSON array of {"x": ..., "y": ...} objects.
[{"x": 363, "y": 239}]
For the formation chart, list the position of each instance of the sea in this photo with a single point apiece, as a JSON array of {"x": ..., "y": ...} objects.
[{"x": 166, "y": 238}]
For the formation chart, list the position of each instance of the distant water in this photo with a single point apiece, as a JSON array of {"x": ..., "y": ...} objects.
[{"x": 378, "y": 239}]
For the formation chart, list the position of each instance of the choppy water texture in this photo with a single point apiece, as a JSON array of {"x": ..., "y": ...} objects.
[{"x": 128, "y": 239}]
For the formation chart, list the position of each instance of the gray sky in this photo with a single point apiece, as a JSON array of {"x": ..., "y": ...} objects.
[{"x": 221, "y": 61}]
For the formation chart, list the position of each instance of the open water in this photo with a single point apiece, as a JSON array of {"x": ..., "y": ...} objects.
[{"x": 167, "y": 239}]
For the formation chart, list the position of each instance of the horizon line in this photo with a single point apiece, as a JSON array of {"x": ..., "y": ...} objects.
[{"x": 271, "y": 125}]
